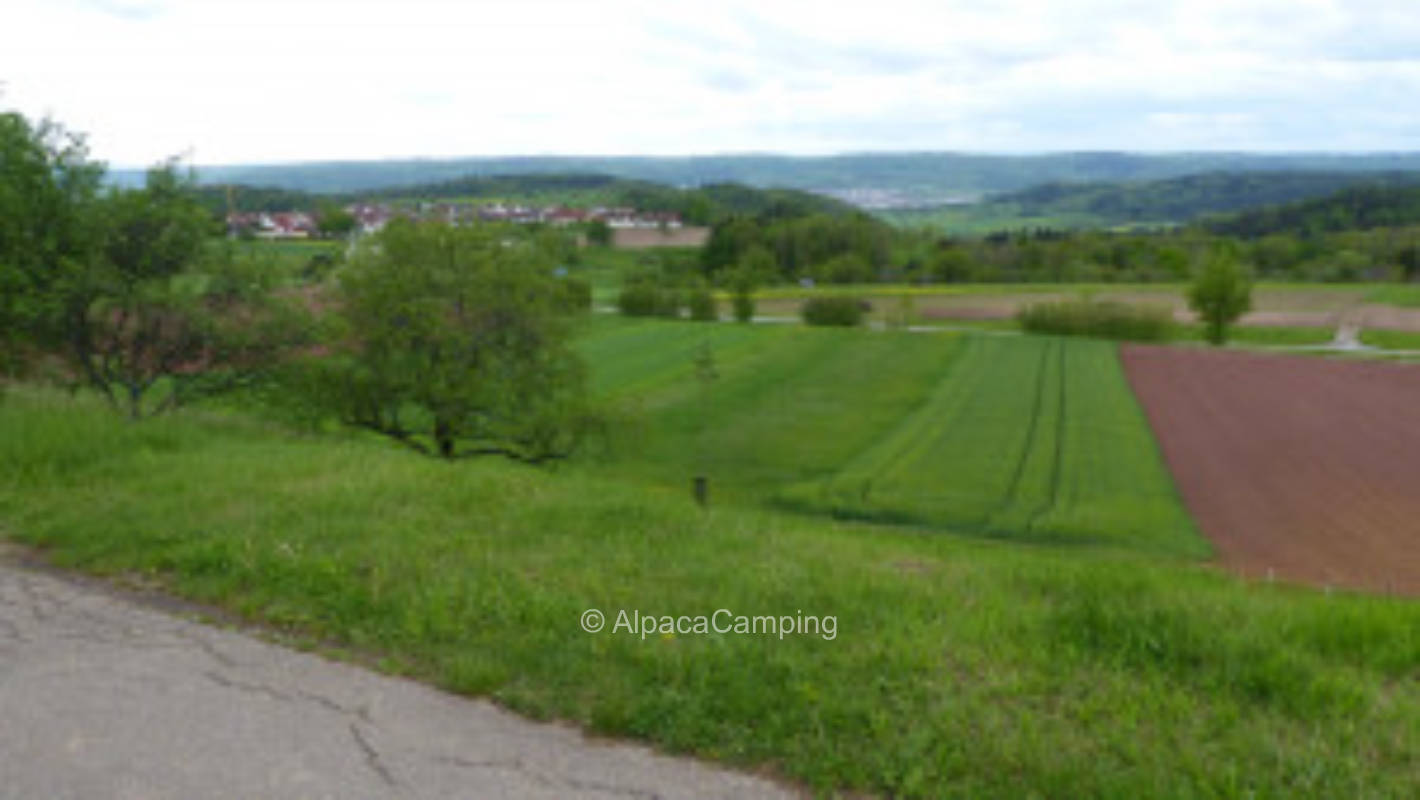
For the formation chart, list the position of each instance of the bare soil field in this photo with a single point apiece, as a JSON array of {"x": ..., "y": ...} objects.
[
  {"x": 1301, "y": 468},
  {"x": 644, "y": 238}
]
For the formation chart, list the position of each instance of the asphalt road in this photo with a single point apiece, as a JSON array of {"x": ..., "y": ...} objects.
[{"x": 104, "y": 696}]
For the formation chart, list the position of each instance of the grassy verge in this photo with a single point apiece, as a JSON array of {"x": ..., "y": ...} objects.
[
  {"x": 1392, "y": 294},
  {"x": 1272, "y": 335},
  {"x": 1391, "y": 340},
  {"x": 958, "y": 667}
]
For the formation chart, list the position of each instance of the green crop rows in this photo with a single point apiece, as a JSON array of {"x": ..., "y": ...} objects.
[{"x": 1023, "y": 437}]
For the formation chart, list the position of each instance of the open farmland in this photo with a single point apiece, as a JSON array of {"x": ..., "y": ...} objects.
[
  {"x": 1030, "y": 438},
  {"x": 1302, "y": 469},
  {"x": 1385, "y": 307},
  {"x": 1060, "y": 671},
  {"x": 788, "y": 403},
  {"x": 1024, "y": 437}
]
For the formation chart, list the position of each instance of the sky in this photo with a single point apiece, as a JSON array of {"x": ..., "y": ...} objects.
[{"x": 262, "y": 81}]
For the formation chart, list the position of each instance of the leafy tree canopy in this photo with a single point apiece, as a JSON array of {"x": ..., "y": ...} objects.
[{"x": 454, "y": 342}]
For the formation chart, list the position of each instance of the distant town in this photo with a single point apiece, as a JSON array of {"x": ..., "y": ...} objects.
[{"x": 371, "y": 217}]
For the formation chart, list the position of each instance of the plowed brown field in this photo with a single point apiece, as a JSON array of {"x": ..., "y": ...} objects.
[{"x": 1304, "y": 468}]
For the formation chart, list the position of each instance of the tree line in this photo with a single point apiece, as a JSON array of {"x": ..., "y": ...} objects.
[
  {"x": 857, "y": 248},
  {"x": 453, "y": 341}
]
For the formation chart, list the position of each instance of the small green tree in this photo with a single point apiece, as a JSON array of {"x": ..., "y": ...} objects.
[
  {"x": 334, "y": 222},
  {"x": 755, "y": 268},
  {"x": 742, "y": 298},
  {"x": 904, "y": 315},
  {"x": 599, "y": 233},
  {"x": 1220, "y": 294},
  {"x": 702, "y": 305},
  {"x": 1409, "y": 260},
  {"x": 453, "y": 341}
]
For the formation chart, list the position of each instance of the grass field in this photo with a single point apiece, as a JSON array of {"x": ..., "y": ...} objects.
[
  {"x": 959, "y": 666},
  {"x": 1402, "y": 295},
  {"x": 1026, "y": 437},
  {"x": 1029, "y": 438},
  {"x": 788, "y": 404}
]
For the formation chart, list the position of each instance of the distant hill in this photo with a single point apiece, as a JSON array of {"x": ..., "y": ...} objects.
[
  {"x": 1186, "y": 198},
  {"x": 705, "y": 202},
  {"x": 1354, "y": 208},
  {"x": 896, "y": 178}
]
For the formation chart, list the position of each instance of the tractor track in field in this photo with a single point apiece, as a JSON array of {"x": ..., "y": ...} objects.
[
  {"x": 1057, "y": 458},
  {"x": 1013, "y": 488},
  {"x": 1012, "y": 493}
]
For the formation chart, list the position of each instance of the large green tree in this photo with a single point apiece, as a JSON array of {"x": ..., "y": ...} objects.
[
  {"x": 121, "y": 291},
  {"x": 49, "y": 191},
  {"x": 455, "y": 342},
  {"x": 161, "y": 315}
]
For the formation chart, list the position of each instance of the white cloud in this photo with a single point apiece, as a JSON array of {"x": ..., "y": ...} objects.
[{"x": 235, "y": 81}]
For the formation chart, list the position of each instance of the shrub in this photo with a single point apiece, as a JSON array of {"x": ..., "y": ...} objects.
[
  {"x": 576, "y": 294},
  {"x": 743, "y": 302},
  {"x": 703, "y": 307},
  {"x": 1105, "y": 320},
  {"x": 649, "y": 300},
  {"x": 839, "y": 310}
]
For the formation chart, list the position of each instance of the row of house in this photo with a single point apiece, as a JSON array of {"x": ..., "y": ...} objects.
[
  {"x": 274, "y": 225},
  {"x": 371, "y": 217}
]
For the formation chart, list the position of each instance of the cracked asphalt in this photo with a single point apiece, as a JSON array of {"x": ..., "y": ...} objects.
[{"x": 102, "y": 696}]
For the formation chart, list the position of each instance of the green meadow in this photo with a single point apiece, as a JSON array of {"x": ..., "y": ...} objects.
[
  {"x": 1022, "y": 607},
  {"x": 1029, "y": 438},
  {"x": 1024, "y": 437}
]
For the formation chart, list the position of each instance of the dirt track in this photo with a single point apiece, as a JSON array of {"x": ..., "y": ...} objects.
[{"x": 1305, "y": 467}]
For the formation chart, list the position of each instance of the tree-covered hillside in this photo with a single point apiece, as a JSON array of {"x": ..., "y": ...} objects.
[
  {"x": 1189, "y": 197},
  {"x": 1355, "y": 208}
]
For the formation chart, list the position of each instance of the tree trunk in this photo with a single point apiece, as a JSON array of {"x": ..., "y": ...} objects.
[{"x": 444, "y": 438}]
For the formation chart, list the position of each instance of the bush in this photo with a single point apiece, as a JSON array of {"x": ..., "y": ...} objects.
[
  {"x": 576, "y": 294},
  {"x": 743, "y": 302},
  {"x": 703, "y": 307},
  {"x": 649, "y": 300},
  {"x": 1105, "y": 320},
  {"x": 841, "y": 310}
]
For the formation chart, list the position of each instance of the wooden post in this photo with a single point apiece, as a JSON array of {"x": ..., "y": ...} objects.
[{"x": 701, "y": 488}]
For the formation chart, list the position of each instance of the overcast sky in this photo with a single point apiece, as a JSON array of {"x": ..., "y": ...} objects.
[{"x": 234, "y": 81}]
